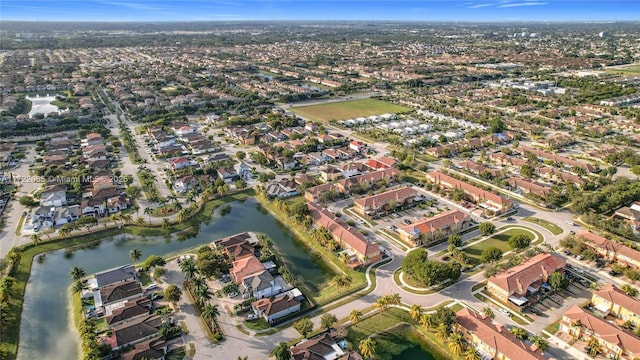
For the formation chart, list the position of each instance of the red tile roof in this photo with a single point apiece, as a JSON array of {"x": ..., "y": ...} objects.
[
  {"x": 519, "y": 278},
  {"x": 379, "y": 200},
  {"x": 496, "y": 336},
  {"x": 610, "y": 245},
  {"x": 618, "y": 297},
  {"x": 343, "y": 232},
  {"x": 605, "y": 330},
  {"x": 246, "y": 267},
  {"x": 435, "y": 223},
  {"x": 448, "y": 181}
]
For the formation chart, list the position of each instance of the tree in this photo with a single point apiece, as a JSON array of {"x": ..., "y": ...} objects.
[
  {"x": 188, "y": 268},
  {"x": 471, "y": 354},
  {"x": 540, "y": 342},
  {"x": 519, "y": 241},
  {"x": 487, "y": 228},
  {"x": 211, "y": 313},
  {"x": 36, "y": 238},
  {"x": 527, "y": 171},
  {"x": 241, "y": 184},
  {"x": 630, "y": 290},
  {"x": 28, "y": 201},
  {"x": 282, "y": 351},
  {"x": 203, "y": 295},
  {"x": 491, "y": 254},
  {"x": 303, "y": 326},
  {"x": 367, "y": 348},
  {"x": 443, "y": 315},
  {"x": 327, "y": 320},
  {"x": 342, "y": 281},
  {"x": 77, "y": 273},
  {"x": 383, "y": 303},
  {"x": 519, "y": 333},
  {"x": 241, "y": 155},
  {"x": 148, "y": 211},
  {"x": 154, "y": 260},
  {"x": 456, "y": 343},
  {"x": 135, "y": 254},
  {"x": 558, "y": 281},
  {"x": 443, "y": 331},
  {"x": 355, "y": 316},
  {"x": 455, "y": 240},
  {"x": 173, "y": 294},
  {"x": 635, "y": 170},
  {"x": 415, "y": 311},
  {"x": 488, "y": 312},
  {"x": 425, "y": 321}
]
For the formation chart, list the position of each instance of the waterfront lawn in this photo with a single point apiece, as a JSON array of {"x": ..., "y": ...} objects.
[
  {"x": 553, "y": 228},
  {"x": 344, "y": 110}
]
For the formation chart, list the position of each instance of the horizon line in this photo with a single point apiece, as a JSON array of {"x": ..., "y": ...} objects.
[{"x": 323, "y": 20}]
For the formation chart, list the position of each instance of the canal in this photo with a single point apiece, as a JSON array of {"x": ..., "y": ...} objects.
[{"x": 47, "y": 329}]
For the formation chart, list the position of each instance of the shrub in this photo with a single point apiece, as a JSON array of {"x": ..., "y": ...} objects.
[
  {"x": 491, "y": 254},
  {"x": 520, "y": 241},
  {"x": 487, "y": 228}
]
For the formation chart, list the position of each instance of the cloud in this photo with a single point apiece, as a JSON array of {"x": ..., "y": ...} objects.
[
  {"x": 529, "y": 3},
  {"x": 131, "y": 5},
  {"x": 478, "y": 6}
]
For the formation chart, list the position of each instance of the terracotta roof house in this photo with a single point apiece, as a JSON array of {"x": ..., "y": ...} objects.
[
  {"x": 381, "y": 163},
  {"x": 386, "y": 201},
  {"x": 631, "y": 215},
  {"x": 615, "y": 342},
  {"x": 275, "y": 307},
  {"x": 611, "y": 249},
  {"x": 435, "y": 228},
  {"x": 528, "y": 187},
  {"x": 369, "y": 179},
  {"x": 245, "y": 267},
  {"x": 484, "y": 198},
  {"x": 321, "y": 347},
  {"x": 611, "y": 300},
  {"x": 317, "y": 193},
  {"x": 365, "y": 251},
  {"x": 513, "y": 284},
  {"x": 494, "y": 341}
]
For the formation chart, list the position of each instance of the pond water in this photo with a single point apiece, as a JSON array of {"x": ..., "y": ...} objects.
[{"x": 47, "y": 330}]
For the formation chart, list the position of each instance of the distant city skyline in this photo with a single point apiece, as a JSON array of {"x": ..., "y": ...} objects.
[{"x": 232, "y": 10}]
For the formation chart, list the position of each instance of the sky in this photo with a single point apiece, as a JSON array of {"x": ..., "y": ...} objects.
[{"x": 230, "y": 10}]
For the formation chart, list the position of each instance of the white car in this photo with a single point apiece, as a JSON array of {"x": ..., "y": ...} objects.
[
  {"x": 505, "y": 312},
  {"x": 232, "y": 295},
  {"x": 252, "y": 317},
  {"x": 152, "y": 287}
]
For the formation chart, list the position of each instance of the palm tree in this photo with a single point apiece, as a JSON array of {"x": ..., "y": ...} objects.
[
  {"x": 488, "y": 312},
  {"x": 135, "y": 254},
  {"x": 456, "y": 343},
  {"x": 367, "y": 348},
  {"x": 425, "y": 321},
  {"x": 203, "y": 295},
  {"x": 211, "y": 313},
  {"x": 519, "y": 333},
  {"x": 540, "y": 342},
  {"x": 198, "y": 282},
  {"x": 595, "y": 346},
  {"x": 442, "y": 332},
  {"x": 36, "y": 239},
  {"x": 139, "y": 221},
  {"x": 355, "y": 316},
  {"x": 148, "y": 211},
  {"x": 165, "y": 223},
  {"x": 77, "y": 273},
  {"x": 383, "y": 303},
  {"x": 342, "y": 281},
  {"x": 136, "y": 208},
  {"x": 471, "y": 354},
  {"x": 394, "y": 299},
  {"x": 78, "y": 286},
  {"x": 415, "y": 311},
  {"x": 64, "y": 231},
  {"x": 188, "y": 267},
  {"x": 344, "y": 257}
]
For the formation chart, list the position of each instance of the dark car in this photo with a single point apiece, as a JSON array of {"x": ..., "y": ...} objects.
[
  {"x": 613, "y": 273},
  {"x": 445, "y": 258}
]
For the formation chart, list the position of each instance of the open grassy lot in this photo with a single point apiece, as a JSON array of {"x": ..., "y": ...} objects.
[
  {"x": 553, "y": 228},
  {"x": 348, "y": 110},
  {"x": 498, "y": 240},
  {"x": 630, "y": 70}
]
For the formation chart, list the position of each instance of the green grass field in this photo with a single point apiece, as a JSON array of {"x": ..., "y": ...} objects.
[
  {"x": 499, "y": 241},
  {"x": 348, "y": 110},
  {"x": 630, "y": 70},
  {"x": 553, "y": 228}
]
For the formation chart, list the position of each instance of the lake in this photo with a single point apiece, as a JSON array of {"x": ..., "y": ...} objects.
[{"x": 47, "y": 330}]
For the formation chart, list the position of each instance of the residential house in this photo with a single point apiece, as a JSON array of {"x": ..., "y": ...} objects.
[
  {"x": 245, "y": 267},
  {"x": 382, "y": 162},
  {"x": 322, "y": 347},
  {"x": 321, "y": 192},
  {"x": 218, "y": 158},
  {"x": 610, "y": 300},
  {"x": 363, "y": 251},
  {"x": 116, "y": 203},
  {"x": 387, "y": 201},
  {"x": 356, "y": 146},
  {"x": 435, "y": 228},
  {"x": 615, "y": 342},
  {"x": 243, "y": 170},
  {"x": 352, "y": 169},
  {"x": 131, "y": 310},
  {"x": 67, "y": 214},
  {"x": 276, "y": 307},
  {"x": 185, "y": 183},
  {"x": 372, "y": 179},
  {"x": 282, "y": 189},
  {"x": 330, "y": 173},
  {"x": 260, "y": 285},
  {"x": 494, "y": 341},
  {"x": 117, "y": 275},
  {"x": 570, "y": 163},
  {"x": 136, "y": 331},
  {"x": 611, "y": 250},
  {"x": 516, "y": 283},
  {"x": 527, "y": 187},
  {"x": 54, "y": 160},
  {"x": 152, "y": 349},
  {"x": 552, "y": 173},
  {"x": 630, "y": 214},
  {"x": 227, "y": 174},
  {"x": 101, "y": 182},
  {"x": 485, "y": 199},
  {"x": 91, "y": 139},
  {"x": 478, "y": 169},
  {"x": 54, "y": 195},
  {"x": 180, "y": 162},
  {"x": 118, "y": 293},
  {"x": 92, "y": 207}
]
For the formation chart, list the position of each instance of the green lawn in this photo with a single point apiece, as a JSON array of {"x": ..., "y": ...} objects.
[
  {"x": 145, "y": 278},
  {"x": 498, "y": 240},
  {"x": 176, "y": 354},
  {"x": 553, "y": 228},
  {"x": 630, "y": 70},
  {"x": 348, "y": 110},
  {"x": 260, "y": 324}
]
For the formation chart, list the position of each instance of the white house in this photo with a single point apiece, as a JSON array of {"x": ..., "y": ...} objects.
[
  {"x": 55, "y": 195},
  {"x": 275, "y": 307},
  {"x": 259, "y": 286}
]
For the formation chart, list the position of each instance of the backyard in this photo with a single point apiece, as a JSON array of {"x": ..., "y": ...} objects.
[{"x": 348, "y": 110}]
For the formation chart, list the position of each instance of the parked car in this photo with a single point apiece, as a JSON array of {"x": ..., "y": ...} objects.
[
  {"x": 152, "y": 287},
  {"x": 233, "y": 294},
  {"x": 156, "y": 296},
  {"x": 444, "y": 258},
  {"x": 505, "y": 312},
  {"x": 252, "y": 317},
  {"x": 407, "y": 221}
]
